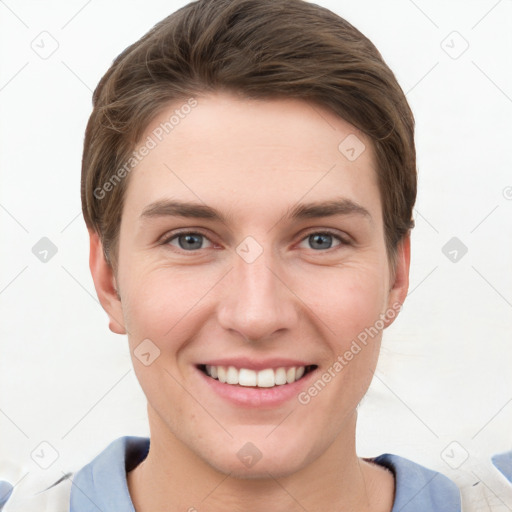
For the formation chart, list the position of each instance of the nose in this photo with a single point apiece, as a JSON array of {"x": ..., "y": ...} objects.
[{"x": 256, "y": 301}]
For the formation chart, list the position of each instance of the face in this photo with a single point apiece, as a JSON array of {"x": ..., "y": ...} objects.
[{"x": 252, "y": 249}]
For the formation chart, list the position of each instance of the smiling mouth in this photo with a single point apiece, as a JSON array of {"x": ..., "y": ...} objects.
[{"x": 266, "y": 378}]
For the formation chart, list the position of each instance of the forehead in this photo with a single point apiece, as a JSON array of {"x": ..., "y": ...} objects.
[{"x": 248, "y": 155}]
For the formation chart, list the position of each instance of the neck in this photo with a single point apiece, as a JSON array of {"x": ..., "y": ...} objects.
[{"x": 173, "y": 478}]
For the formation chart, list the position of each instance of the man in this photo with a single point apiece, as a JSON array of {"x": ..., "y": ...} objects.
[{"x": 248, "y": 183}]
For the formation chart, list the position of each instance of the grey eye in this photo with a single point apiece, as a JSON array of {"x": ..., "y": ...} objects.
[
  {"x": 322, "y": 240},
  {"x": 188, "y": 241}
]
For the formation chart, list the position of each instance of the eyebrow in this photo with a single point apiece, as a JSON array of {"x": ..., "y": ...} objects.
[{"x": 312, "y": 210}]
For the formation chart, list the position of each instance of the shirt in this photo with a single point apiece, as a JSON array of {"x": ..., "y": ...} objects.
[
  {"x": 503, "y": 461},
  {"x": 102, "y": 486}
]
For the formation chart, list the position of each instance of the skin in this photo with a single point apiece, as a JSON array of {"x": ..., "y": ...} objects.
[{"x": 252, "y": 160}]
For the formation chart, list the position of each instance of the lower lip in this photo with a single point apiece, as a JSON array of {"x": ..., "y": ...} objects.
[{"x": 257, "y": 397}]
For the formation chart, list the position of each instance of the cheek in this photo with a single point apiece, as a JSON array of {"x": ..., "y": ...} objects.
[
  {"x": 163, "y": 304},
  {"x": 347, "y": 300}
]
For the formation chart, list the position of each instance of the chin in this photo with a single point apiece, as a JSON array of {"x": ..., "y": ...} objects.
[
  {"x": 263, "y": 470},
  {"x": 259, "y": 460}
]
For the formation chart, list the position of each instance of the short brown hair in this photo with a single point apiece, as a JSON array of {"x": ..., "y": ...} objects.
[{"x": 257, "y": 49}]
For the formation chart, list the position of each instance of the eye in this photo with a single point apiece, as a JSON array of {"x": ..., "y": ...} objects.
[
  {"x": 323, "y": 240},
  {"x": 192, "y": 241},
  {"x": 187, "y": 240}
]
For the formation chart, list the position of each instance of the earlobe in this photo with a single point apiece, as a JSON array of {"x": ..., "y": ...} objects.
[
  {"x": 400, "y": 284},
  {"x": 105, "y": 284}
]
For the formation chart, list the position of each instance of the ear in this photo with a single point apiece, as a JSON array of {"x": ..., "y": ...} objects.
[
  {"x": 400, "y": 284},
  {"x": 105, "y": 284}
]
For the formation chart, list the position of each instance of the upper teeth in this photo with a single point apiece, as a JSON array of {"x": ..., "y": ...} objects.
[{"x": 267, "y": 378}]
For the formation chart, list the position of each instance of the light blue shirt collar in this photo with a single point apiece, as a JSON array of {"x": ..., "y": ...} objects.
[
  {"x": 503, "y": 461},
  {"x": 102, "y": 486}
]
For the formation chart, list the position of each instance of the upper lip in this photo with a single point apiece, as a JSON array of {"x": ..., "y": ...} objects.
[{"x": 252, "y": 364}]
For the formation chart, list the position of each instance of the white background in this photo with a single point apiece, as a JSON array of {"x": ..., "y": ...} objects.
[{"x": 445, "y": 370}]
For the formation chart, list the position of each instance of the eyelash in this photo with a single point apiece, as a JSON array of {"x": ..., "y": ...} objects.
[{"x": 168, "y": 239}]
